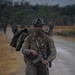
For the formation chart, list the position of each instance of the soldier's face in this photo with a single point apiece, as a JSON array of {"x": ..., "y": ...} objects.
[{"x": 38, "y": 29}]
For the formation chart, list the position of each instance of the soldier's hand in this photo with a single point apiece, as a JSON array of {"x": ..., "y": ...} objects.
[
  {"x": 33, "y": 52},
  {"x": 45, "y": 62}
]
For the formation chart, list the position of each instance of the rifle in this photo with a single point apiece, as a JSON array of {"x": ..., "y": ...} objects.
[{"x": 41, "y": 53}]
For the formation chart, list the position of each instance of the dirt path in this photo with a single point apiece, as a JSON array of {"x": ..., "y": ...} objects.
[{"x": 21, "y": 67}]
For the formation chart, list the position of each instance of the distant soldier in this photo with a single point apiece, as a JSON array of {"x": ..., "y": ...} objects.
[
  {"x": 14, "y": 28},
  {"x": 4, "y": 28},
  {"x": 51, "y": 29},
  {"x": 39, "y": 50},
  {"x": 0, "y": 26}
]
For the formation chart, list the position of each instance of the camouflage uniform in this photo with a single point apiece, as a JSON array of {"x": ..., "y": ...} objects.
[
  {"x": 20, "y": 40},
  {"x": 38, "y": 68}
]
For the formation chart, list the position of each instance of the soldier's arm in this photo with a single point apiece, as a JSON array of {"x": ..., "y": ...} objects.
[
  {"x": 25, "y": 46},
  {"x": 52, "y": 55}
]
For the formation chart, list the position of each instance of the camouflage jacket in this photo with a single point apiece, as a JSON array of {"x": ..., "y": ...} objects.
[
  {"x": 27, "y": 46},
  {"x": 20, "y": 40}
]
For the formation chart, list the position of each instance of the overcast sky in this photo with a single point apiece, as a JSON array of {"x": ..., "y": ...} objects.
[{"x": 50, "y": 2}]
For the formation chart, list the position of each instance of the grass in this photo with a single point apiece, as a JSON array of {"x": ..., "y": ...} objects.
[
  {"x": 8, "y": 58},
  {"x": 65, "y": 28}
]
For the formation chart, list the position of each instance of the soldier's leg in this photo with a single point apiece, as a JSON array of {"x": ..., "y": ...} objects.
[
  {"x": 31, "y": 69},
  {"x": 42, "y": 70}
]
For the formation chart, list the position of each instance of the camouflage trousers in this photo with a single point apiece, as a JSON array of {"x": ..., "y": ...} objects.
[{"x": 36, "y": 69}]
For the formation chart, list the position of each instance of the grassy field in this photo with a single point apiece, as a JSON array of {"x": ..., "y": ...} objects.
[
  {"x": 66, "y": 29},
  {"x": 8, "y": 58},
  {"x": 63, "y": 28}
]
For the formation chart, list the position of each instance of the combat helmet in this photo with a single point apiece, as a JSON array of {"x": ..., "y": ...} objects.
[{"x": 38, "y": 22}]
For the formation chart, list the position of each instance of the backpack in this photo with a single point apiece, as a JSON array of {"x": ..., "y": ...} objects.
[{"x": 16, "y": 36}]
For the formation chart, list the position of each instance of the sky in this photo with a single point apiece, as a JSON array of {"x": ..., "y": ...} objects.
[{"x": 50, "y": 2}]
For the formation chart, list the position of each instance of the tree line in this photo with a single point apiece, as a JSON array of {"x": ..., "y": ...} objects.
[{"x": 23, "y": 13}]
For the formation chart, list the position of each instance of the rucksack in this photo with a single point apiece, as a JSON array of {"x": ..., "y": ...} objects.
[{"x": 16, "y": 36}]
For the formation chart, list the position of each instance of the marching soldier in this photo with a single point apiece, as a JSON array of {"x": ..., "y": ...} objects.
[
  {"x": 23, "y": 35},
  {"x": 14, "y": 28},
  {"x": 18, "y": 38},
  {"x": 38, "y": 50}
]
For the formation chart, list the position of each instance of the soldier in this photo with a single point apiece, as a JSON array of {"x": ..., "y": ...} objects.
[
  {"x": 51, "y": 29},
  {"x": 14, "y": 28},
  {"x": 20, "y": 40},
  {"x": 4, "y": 28},
  {"x": 39, "y": 50}
]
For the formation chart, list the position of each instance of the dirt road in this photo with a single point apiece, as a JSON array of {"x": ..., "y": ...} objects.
[
  {"x": 64, "y": 64},
  {"x": 21, "y": 68}
]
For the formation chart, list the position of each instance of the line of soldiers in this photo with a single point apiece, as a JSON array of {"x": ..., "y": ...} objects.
[{"x": 38, "y": 49}]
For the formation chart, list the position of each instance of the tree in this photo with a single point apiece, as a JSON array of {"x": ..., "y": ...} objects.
[{"x": 65, "y": 20}]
